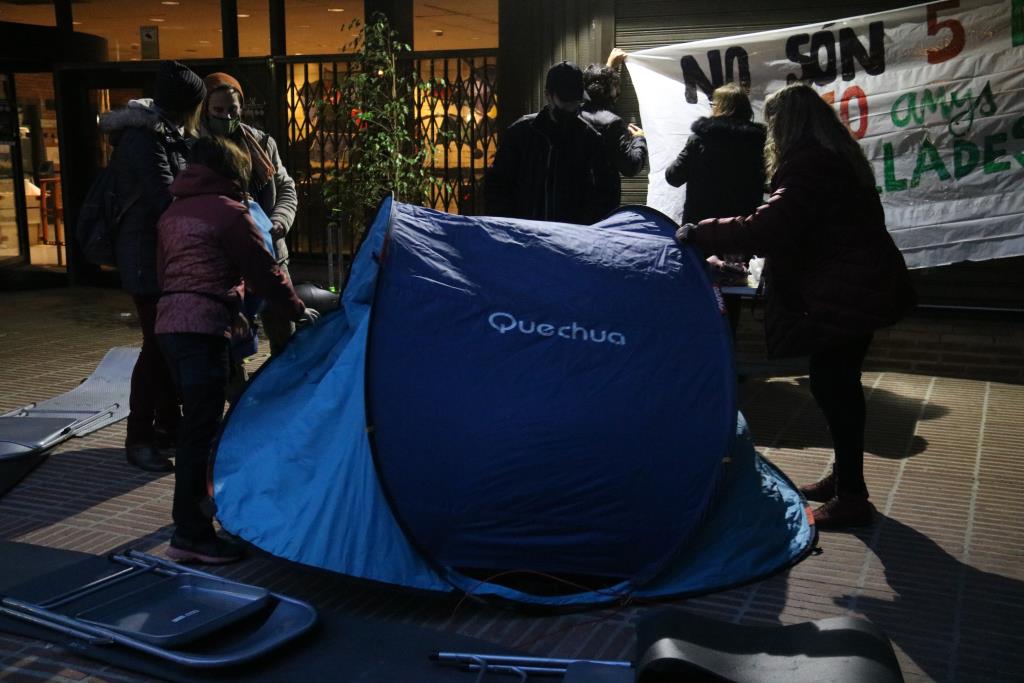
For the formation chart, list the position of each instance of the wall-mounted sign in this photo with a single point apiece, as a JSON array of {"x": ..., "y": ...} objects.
[{"x": 149, "y": 41}]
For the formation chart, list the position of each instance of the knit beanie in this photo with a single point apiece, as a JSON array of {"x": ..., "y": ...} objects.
[
  {"x": 178, "y": 88},
  {"x": 220, "y": 79}
]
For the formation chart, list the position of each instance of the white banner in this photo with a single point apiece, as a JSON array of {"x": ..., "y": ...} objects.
[{"x": 934, "y": 93}]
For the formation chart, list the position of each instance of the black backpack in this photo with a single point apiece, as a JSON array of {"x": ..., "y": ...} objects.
[{"x": 100, "y": 218}]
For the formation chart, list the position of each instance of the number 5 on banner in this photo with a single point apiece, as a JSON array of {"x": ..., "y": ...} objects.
[{"x": 936, "y": 55}]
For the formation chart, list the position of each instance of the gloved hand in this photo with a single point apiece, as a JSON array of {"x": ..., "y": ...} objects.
[
  {"x": 683, "y": 233},
  {"x": 311, "y": 315}
]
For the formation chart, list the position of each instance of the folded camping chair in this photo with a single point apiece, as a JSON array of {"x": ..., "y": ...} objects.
[
  {"x": 26, "y": 434},
  {"x": 166, "y": 610},
  {"x": 675, "y": 646}
]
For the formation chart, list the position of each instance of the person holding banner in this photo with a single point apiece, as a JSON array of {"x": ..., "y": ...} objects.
[
  {"x": 625, "y": 147},
  {"x": 833, "y": 275}
]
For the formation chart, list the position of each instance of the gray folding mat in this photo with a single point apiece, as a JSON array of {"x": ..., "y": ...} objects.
[{"x": 102, "y": 399}]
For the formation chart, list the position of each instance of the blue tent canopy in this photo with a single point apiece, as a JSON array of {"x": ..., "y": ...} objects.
[{"x": 503, "y": 396}]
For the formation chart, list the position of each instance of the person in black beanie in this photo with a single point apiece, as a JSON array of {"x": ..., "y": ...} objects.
[
  {"x": 151, "y": 141},
  {"x": 546, "y": 167}
]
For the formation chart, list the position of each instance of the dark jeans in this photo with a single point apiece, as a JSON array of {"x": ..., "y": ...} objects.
[
  {"x": 153, "y": 402},
  {"x": 835, "y": 385},
  {"x": 200, "y": 366}
]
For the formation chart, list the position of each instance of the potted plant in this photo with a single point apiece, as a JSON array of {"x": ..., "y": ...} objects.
[{"x": 372, "y": 108}]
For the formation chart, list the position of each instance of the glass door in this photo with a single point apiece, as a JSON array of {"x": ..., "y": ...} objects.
[{"x": 12, "y": 197}]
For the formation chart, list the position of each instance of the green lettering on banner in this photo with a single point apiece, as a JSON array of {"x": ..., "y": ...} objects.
[
  {"x": 928, "y": 159},
  {"x": 892, "y": 184},
  {"x": 991, "y": 154},
  {"x": 962, "y": 166},
  {"x": 1017, "y": 21},
  {"x": 1018, "y": 133},
  {"x": 907, "y": 99}
]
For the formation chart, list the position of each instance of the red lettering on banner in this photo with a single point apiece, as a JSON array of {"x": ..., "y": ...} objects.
[
  {"x": 937, "y": 55},
  {"x": 855, "y": 92}
]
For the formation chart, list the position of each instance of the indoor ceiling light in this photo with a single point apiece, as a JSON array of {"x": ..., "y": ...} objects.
[
  {"x": 156, "y": 19},
  {"x": 335, "y": 9},
  {"x": 170, "y": 2},
  {"x": 243, "y": 16},
  {"x": 204, "y": 42}
]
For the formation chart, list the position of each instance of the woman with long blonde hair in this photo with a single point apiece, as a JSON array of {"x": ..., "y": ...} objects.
[{"x": 832, "y": 276}]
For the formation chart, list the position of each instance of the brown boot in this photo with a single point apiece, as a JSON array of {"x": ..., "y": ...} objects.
[
  {"x": 845, "y": 510},
  {"x": 821, "y": 491}
]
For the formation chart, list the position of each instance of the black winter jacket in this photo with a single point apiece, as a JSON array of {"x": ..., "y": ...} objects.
[
  {"x": 148, "y": 153},
  {"x": 722, "y": 165},
  {"x": 623, "y": 153},
  {"x": 546, "y": 171},
  {"x": 832, "y": 272}
]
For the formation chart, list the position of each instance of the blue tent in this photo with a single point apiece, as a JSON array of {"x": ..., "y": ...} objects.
[{"x": 501, "y": 397}]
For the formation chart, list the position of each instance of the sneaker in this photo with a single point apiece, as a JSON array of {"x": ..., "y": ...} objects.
[
  {"x": 847, "y": 510},
  {"x": 821, "y": 491},
  {"x": 213, "y": 550},
  {"x": 147, "y": 457}
]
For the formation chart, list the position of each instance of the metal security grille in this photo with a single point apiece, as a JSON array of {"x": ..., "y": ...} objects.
[{"x": 455, "y": 112}]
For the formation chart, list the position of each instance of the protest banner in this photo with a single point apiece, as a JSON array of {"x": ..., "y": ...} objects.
[{"x": 934, "y": 93}]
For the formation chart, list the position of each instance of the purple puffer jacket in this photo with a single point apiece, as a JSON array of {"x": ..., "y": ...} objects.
[
  {"x": 832, "y": 271},
  {"x": 207, "y": 244}
]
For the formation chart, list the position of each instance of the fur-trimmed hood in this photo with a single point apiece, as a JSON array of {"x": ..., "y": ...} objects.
[
  {"x": 140, "y": 113},
  {"x": 729, "y": 125}
]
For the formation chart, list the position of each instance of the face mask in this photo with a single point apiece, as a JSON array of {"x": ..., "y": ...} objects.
[{"x": 223, "y": 127}]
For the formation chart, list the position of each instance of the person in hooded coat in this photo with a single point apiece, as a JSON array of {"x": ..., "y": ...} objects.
[
  {"x": 722, "y": 163},
  {"x": 208, "y": 243},
  {"x": 271, "y": 186},
  {"x": 833, "y": 275},
  {"x": 151, "y": 141},
  {"x": 722, "y": 166}
]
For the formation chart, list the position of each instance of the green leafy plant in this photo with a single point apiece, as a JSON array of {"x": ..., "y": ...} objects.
[{"x": 371, "y": 108}]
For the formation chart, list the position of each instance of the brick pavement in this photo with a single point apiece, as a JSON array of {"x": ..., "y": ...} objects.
[{"x": 941, "y": 571}]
